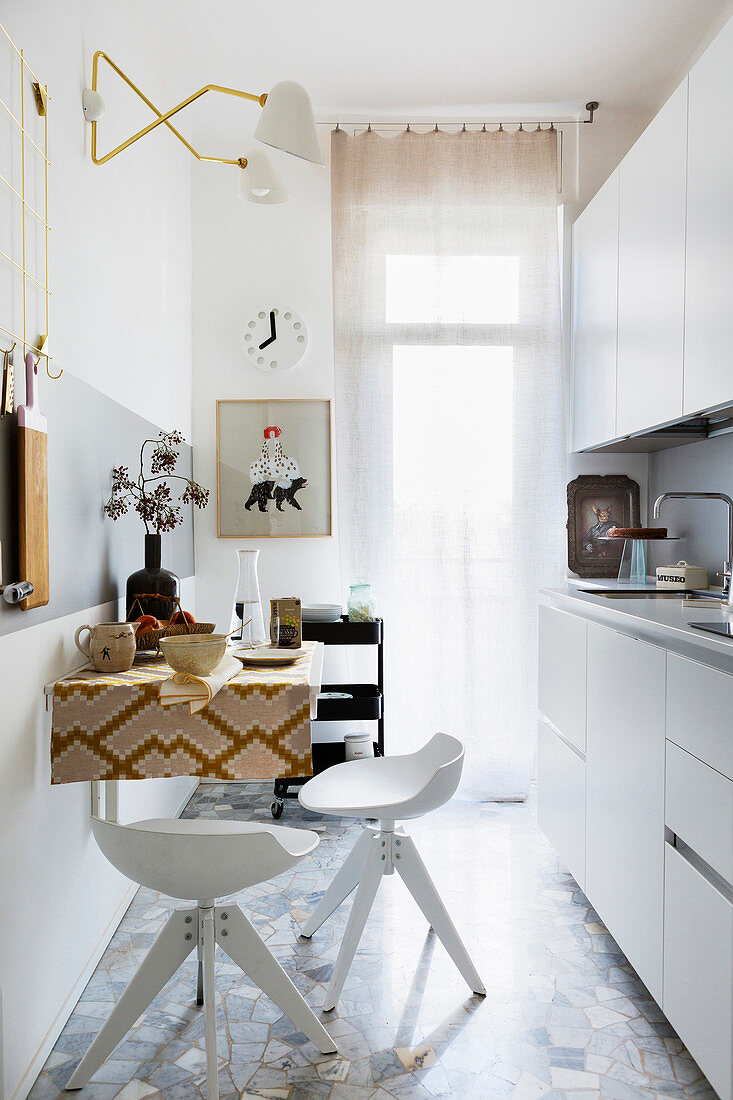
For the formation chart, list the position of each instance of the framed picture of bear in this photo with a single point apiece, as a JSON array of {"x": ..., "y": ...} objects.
[
  {"x": 273, "y": 468},
  {"x": 596, "y": 503}
]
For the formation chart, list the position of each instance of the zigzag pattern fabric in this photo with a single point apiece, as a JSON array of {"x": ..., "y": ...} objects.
[{"x": 112, "y": 726}]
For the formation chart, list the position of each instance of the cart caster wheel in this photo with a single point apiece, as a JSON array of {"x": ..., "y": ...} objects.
[{"x": 277, "y": 807}]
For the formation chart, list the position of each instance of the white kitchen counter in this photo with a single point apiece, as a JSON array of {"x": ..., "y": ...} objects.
[
  {"x": 635, "y": 776},
  {"x": 661, "y": 622}
]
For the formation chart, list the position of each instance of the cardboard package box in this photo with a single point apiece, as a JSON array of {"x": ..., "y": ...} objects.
[{"x": 288, "y": 612}]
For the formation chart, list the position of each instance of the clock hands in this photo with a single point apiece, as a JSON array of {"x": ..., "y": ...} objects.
[{"x": 273, "y": 333}]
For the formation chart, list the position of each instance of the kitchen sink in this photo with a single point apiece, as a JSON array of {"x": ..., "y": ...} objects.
[{"x": 651, "y": 594}]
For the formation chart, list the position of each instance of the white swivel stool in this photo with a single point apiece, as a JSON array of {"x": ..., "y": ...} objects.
[
  {"x": 390, "y": 789},
  {"x": 202, "y": 859}
]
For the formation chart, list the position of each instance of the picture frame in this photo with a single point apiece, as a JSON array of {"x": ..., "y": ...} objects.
[
  {"x": 274, "y": 468},
  {"x": 597, "y": 502}
]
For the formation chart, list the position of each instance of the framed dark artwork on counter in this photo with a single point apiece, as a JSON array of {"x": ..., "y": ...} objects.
[
  {"x": 597, "y": 502},
  {"x": 273, "y": 468}
]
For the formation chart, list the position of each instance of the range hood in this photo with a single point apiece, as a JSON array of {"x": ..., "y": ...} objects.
[{"x": 690, "y": 429}]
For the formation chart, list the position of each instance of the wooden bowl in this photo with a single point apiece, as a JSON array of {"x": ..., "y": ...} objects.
[{"x": 194, "y": 654}]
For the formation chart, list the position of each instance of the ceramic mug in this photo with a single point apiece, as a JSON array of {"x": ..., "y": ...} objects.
[{"x": 111, "y": 646}]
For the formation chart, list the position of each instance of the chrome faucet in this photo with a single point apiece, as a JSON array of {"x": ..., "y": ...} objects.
[{"x": 728, "y": 565}]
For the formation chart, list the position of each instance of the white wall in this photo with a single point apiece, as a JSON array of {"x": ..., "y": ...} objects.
[
  {"x": 120, "y": 275},
  {"x": 248, "y": 256}
]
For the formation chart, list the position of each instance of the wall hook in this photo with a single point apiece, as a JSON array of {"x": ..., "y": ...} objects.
[{"x": 54, "y": 377}]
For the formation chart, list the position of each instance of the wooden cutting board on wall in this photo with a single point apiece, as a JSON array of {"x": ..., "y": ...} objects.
[{"x": 33, "y": 492}]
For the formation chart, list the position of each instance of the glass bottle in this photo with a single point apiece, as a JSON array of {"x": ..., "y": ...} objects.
[
  {"x": 247, "y": 603},
  {"x": 361, "y": 606}
]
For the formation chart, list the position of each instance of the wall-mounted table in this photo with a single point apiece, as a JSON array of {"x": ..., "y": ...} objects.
[{"x": 109, "y": 727}]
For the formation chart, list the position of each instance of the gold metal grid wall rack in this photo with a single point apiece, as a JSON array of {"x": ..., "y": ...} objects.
[{"x": 27, "y": 210}]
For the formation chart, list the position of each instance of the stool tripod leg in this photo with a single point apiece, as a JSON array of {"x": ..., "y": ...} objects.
[
  {"x": 417, "y": 880},
  {"x": 161, "y": 962},
  {"x": 200, "y": 973},
  {"x": 209, "y": 948},
  {"x": 361, "y": 906},
  {"x": 341, "y": 886},
  {"x": 246, "y": 949}
]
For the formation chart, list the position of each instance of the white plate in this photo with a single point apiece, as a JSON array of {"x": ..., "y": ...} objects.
[
  {"x": 322, "y": 613},
  {"x": 268, "y": 656}
]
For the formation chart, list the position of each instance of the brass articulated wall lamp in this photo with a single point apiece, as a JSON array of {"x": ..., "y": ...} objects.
[{"x": 286, "y": 123}]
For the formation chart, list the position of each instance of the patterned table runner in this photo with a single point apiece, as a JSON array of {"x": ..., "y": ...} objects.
[{"x": 256, "y": 727}]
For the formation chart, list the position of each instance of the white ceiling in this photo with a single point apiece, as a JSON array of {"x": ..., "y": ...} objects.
[
  {"x": 413, "y": 60},
  {"x": 392, "y": 57}
]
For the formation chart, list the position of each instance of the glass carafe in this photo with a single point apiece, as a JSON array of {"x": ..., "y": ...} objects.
[{"x": 247, "y": 604}]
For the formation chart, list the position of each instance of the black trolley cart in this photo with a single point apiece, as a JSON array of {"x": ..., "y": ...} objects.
[{"x": 366, "y": 704}]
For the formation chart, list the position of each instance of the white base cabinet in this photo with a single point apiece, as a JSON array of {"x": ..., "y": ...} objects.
[
  {"x": 636, "y": 795},
  {"x": 698, "y": 968},
  {"x": 561, "y": 808},
  {"x": 624, "y": 829},
  {"x": 562, "y": 659},
  {"x": 694, "y": 692}
]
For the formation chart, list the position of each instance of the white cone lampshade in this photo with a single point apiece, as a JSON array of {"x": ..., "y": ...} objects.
[
  {"x": 287, "y": 122},
  {"x": 259, "y": 182}
]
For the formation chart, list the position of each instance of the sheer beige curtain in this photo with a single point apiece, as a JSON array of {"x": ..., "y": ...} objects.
[{"x": 450, "y": 441}]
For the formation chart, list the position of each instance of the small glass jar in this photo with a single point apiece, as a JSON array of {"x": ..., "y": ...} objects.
[{"x": 361, "y": 607}]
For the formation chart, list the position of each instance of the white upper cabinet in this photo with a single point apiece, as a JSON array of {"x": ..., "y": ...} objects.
[
  {"x": 651, "y": 281},
  {"x": 709, "y": 291},
  {"x": 653, "y": 269},
  {"x": 595, "y": 290}
]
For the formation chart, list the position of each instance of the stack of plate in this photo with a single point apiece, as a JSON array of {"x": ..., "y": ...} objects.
[{"x": 322, "y": 613}]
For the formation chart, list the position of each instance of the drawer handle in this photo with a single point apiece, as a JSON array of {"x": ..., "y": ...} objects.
[{"x": 703, "y": 868}]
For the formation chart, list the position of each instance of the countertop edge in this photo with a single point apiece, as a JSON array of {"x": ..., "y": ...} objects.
[{"x": 632, "y": 620}]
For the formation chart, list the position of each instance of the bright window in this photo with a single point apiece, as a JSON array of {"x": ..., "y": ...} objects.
[
  {"x": 452, "y": 428},
  {"x": 452, "y": 290}
]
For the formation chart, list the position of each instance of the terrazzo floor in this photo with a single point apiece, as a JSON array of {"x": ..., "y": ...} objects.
[{"x": 565, "y": 1014}]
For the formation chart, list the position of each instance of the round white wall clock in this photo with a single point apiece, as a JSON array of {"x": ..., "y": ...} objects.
[{"x": 275, "y": 339}]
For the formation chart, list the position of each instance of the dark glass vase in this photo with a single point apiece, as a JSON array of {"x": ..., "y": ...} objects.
[{"x": 151, "y": 579}]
